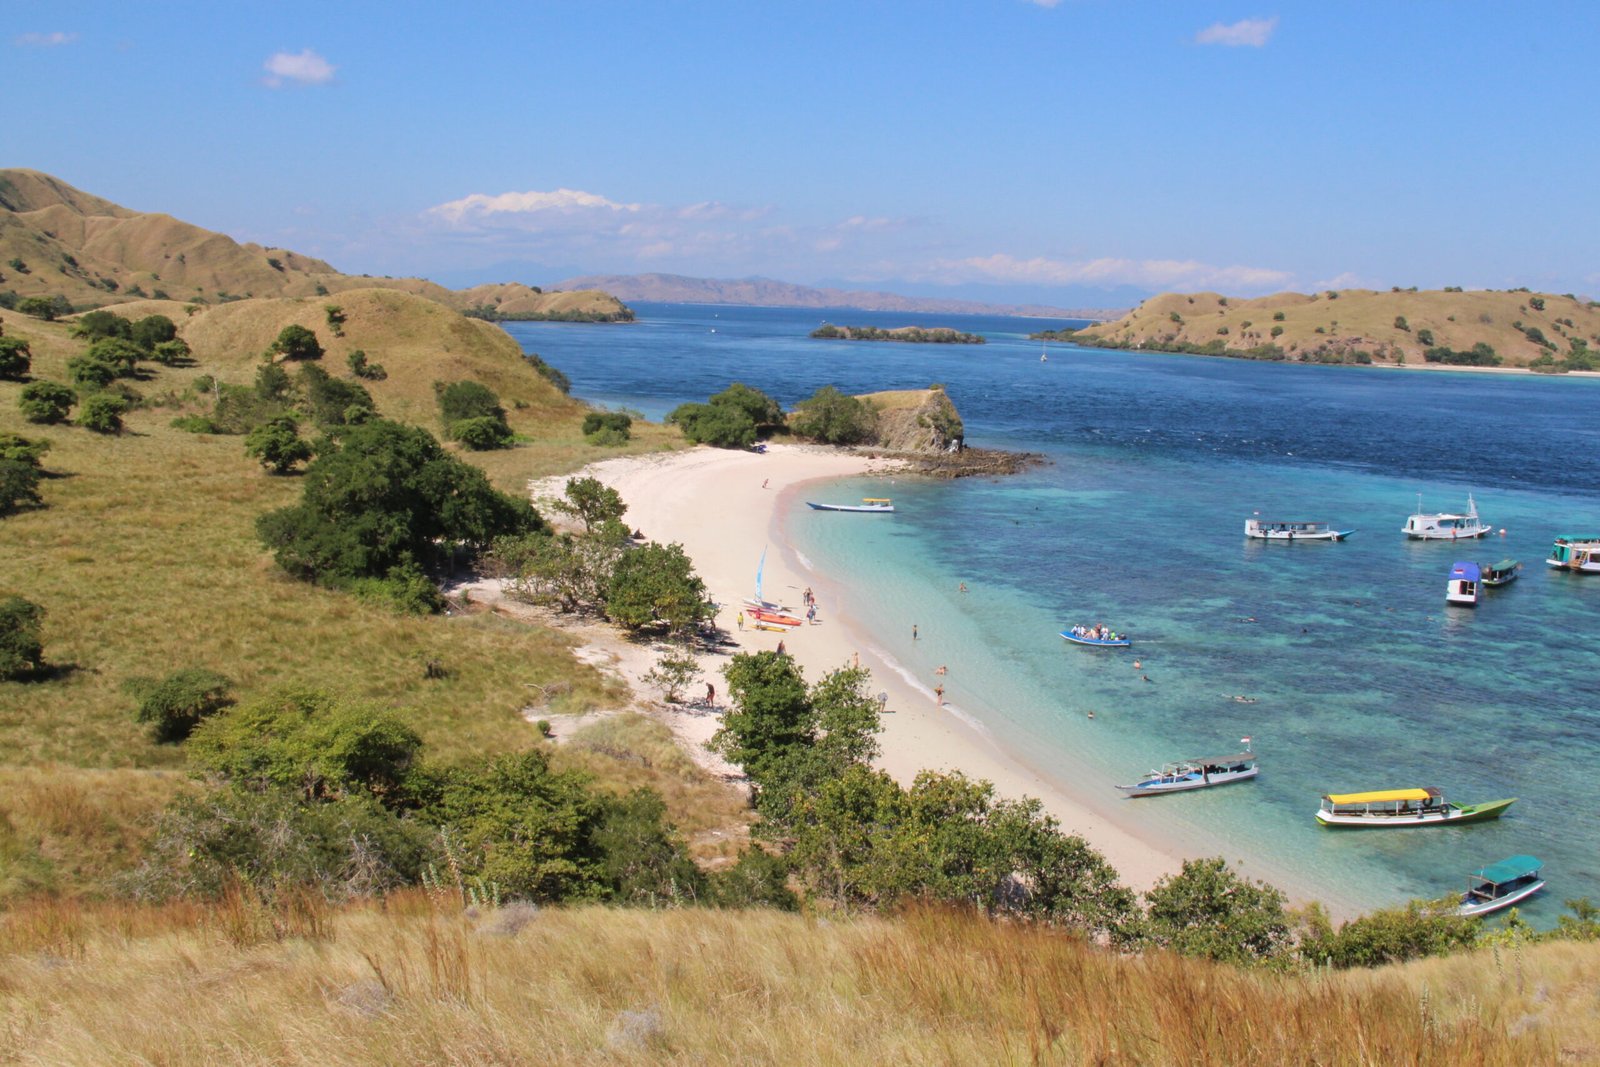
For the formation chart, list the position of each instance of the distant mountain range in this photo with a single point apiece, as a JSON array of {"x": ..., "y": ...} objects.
[{"x": 764, "y": 292}]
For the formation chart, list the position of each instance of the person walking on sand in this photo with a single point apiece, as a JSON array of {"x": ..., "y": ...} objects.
[
  {"x": 855, "y": 661},
  {"x": 711, "y": 695},
  {"x": 780, "y": 647},
  {"x": 938, "y": 695},
  {"x": 913, "y": 631},
  {"x": 811, "y": 615},
  {"x": 764, "y": 482},
  {"x": 741, "y": 620}
]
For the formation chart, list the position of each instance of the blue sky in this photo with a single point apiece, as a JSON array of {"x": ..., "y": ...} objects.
[{"x": 1066, "y": 152}]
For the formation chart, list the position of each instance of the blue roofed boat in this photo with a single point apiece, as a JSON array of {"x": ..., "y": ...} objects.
[
  {"x": 1465, "y": 585},
  {"x": 1500, "y": 885}
]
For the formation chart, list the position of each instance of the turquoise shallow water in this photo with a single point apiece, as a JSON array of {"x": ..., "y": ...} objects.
[{"x": 1360, "y": 677}]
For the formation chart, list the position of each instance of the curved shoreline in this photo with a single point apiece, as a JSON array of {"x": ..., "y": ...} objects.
[{"x": 727, "y": 507}]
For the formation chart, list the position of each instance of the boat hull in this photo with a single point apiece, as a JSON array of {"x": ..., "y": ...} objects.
[
  {"x": 1095, "y": 642},
  {"x": 860, "y": 509},
  {"x": 1453, "y": 815},
  {"x": 1474, "y": 905},
  {"x": 1188, "y": 782}
]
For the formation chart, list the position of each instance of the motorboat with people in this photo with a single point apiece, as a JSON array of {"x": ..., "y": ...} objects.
[
  {"x": 1271, "y": 530},
  {"x": 1445, "y": 525},
  {"x": 1200, "y": 773},
  {"x": 1465, "y": 585},
  {"x": 1397, "y": 808},
  {"x": 1500, "y": 885},
  {"x": 1503, "y": 573},
  {"x": 871, "y": 505},
  {"x": 1101, "y": 636},
  {"x": 1580, "y": 554}
]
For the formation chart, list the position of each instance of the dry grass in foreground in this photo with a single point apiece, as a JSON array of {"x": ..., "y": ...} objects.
[{"x": 412, "y": 981}]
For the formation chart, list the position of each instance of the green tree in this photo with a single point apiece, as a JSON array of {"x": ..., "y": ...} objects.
[
  {"x": 333, "y": 402},
  {"x": 722, "y": 426},
  {"x": 171, "y": 353},
  {"x": 834, "y": 418},
  {"x": 15, "y": 360},
  {"x": 173, "y": 706},
  {"x": 673, "y": 672},
  {"x": 642, "y": 859},
  {"x": 359, "y": 366},
  {"x": 153, "y": 330},
  {"x": 296, "y": 342},
  {"x": 592, "y": 502},
  {"x": 20, "y": 471},
  {"x": 472, "y": 415},
  {"x": 39, "y": 307},
  {"x": 1389, "y": 935},
  {"x": 278, "y": 445},
  {"x": 311, "y": 743},
  {"x": 388, "y": 498},
  {"x": 21, "y": 637},
  {"x": 1207, "y": 910},
  {"x": 102, "y": 413},
  {"x": 273, "y": 383},
  {"x": 336, "y": 318},
  {"x": 46, "y": 402},
  {"x": 655, "y": 585},
  {"x": 765, "y": 412},
  {"x": 482, "y": 434}
]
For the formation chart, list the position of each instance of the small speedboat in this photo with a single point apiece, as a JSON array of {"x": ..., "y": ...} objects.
[
  {"x": 1465, "y": 585},
  {"x": 1501, "y": 885},
  {"x": 871, "y": 505},
  {"x": 1098, "y": 636}
]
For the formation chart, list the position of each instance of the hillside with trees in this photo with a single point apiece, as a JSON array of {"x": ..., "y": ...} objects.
[{"x": 1484, "y": 328}]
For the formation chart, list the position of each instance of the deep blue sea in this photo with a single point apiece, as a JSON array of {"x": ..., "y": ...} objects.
[{"x": 1356, "y": 675}]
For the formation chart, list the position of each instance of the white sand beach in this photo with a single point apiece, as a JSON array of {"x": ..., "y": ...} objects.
[{"x": 721, "y": 505}]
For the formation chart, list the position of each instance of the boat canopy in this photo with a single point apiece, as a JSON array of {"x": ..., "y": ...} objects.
[
  {"x": 1505, "y": 565},
  {"x": 1467, "y": 572},
  {"x": 1509, "y": 870},
  {"x": 1382, "y": 796},
  {"x": 875, "y": 500},
  {"x": 1213, "y": 761}
]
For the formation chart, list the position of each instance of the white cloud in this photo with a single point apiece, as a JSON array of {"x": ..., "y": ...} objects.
[
  {"x": 1252, "y": 33},
  {"x": 481, "y": 206},
  {"x": 1146, "y": 273},
  {"x": 1044, "y": 3},
  {"x": 44, "y": 40},
  {"x": 306, "y": 68}
]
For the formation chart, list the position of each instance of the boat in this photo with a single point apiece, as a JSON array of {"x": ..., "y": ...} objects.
[
  {"x": 1581, "y": 554},
  {"x": 1267, "y": 530},
  {"x": 1199, "y": 773},
  {"x": 1464, "y": 585},
  {"x": 1444, "y": 525},
  {"x": 1501, "y": 885},
  {"x": 773, "y": 618},
  {"x": 1502, "y": 573},
  {"x": 1397, "y": 808},
  {"x": 872, "y": 505},
  {"x": 1098, "y": 636}
]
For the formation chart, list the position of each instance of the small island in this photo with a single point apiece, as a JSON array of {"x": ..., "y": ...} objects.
[{"x": 937, "y": 335}]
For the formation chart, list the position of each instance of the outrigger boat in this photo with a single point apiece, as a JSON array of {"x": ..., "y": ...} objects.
[
  {"x": 872, "y": 505},
  {"x": 1265, "y": 530},
  {"x": 1501, "y": 885},
  {"x": 1464, "y": 585},
  {"x": 1502, "y": 573},
  {"x": 1395, "y": 808},
  {"x": 1443, "y": 525},
  {"x": 1199, "y": 773},
  {"x": 1098, "y": 636},
  {"x": 1581, "y": 554}
]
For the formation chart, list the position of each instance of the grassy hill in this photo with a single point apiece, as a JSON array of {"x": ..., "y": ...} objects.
[
  {"x": 92, "y": 252},
  {"x": 1359, "y": 325}
]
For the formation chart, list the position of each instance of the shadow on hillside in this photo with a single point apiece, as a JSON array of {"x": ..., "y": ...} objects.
[{"x": 49, "y": 672}]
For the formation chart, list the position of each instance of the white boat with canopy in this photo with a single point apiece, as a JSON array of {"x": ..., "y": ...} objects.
[
  {"x": 1500, "y": 885},
  {"x": 1199, "y": 773},
  {"x": 1272, "y": 530},
  {"x": 1445, "y": 525},
  {"x": 1580, "y": 554}
]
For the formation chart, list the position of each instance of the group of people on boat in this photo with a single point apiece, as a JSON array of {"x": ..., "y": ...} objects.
[{"x": 1100, "y": 632}]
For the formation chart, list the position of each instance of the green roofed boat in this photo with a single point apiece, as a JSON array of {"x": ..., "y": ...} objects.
[
  {"x": 1501, "y": 885},
  {"x": 1395, "y": 808}
]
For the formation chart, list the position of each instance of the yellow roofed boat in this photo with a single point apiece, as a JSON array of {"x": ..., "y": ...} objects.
[{"x": 1395, "y": 808}]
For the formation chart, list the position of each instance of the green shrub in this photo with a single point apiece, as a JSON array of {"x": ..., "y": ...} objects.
[
  {"x": 46, "y": 402},
  {"x": 21, "y": 637},
  {"x": 655, "y": 585},
  {"x": 472, "y": 415},
  {"x": 1425, "y": 336},
  {"x": 1401, "y": 324},
  {"x": 834, "y": 418},
  {"x": 333, "y": 402},
  {"x": 15, "y": 360},
  {"x": 102, "y": 413},
  {"x": 153, "y": 330},
  {"x": 173, "y": 353},
  {"x": 40, "y": 307},
  {"x": 296, "y": 342},
  {"x": 278, "y": 445},
  {"x": 1277, "y": 316},
  {"x": 196, "y": 424},
  {"x": 372, "y": 372},
  {"x": 482, "y": 434},
  {"x": 176, "y": 704},
  {"x": 719, "y": 425},
  {"x": 20, "y": 471},
  {"x": 1390, "y": 935},
  {"x": 1209, "y": 911},
  {"x": 616, "y": 421}
]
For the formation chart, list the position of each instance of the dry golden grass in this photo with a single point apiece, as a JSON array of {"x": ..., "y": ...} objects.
[
  {"x": 415, "y": 980},
  {"x": 1363, "y": 319}
]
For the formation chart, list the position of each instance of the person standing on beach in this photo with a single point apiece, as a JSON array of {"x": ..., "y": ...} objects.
[
  {"x": 913, "y": 631},
  {"x": 938, "y": 695},
  {"x": 741, "y": 620},
  {"x": 711, "y": 695},
  {"x": 780, "y": 647}
]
